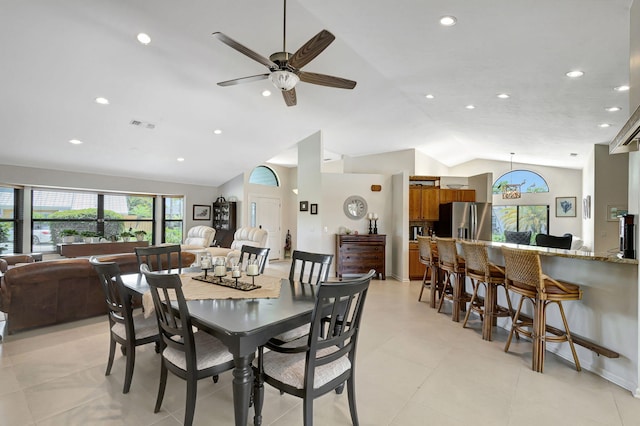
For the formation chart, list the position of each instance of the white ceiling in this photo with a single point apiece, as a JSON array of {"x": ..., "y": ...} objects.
[{"x": 58, "y": 56}]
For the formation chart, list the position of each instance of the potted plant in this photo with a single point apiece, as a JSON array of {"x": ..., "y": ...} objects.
[
  {"x": 68, "y": 235},
  {"x": 125, "y": 235},
  {"x": 140, "y": 233},
  {"x": 90, "y": 236}
]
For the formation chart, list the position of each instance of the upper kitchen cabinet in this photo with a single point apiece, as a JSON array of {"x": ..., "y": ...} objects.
[
  {"x": 423, "y": 202},
  {"x": 452, "y": 195}
]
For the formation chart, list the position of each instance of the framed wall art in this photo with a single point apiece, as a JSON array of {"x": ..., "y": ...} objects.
[
  {"x": 613, "y": 211},
  {"x": 314, "y": 209},
  {"x": 565, "y": 206},
  {"x": 304, "y": 206},
  {"x": 201, "y": 212}
]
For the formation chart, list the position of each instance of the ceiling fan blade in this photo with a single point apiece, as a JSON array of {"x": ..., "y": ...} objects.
[
  {"x": 245, "y": 50},
  {"x": 243, "y": 80},
  {"x": 311, "y": 49},
  {"x": 290, "y": 97},
  {"x": 326, "y": 80}
]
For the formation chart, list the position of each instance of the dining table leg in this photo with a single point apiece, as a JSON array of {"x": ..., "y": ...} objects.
[{"x": 242, "y": 382}]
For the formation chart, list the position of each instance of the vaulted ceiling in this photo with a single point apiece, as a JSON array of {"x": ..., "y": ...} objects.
[{"x": 59, "y": 56}]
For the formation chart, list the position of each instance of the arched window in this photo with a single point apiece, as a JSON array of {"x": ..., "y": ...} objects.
[
  {"x": 263, "y": 175},
  {"x": 527, "y": 180}
]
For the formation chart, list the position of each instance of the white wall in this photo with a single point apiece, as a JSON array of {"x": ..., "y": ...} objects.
[
  {"x": 309, "y": 236},
  {"x": 387, "y": 163}
]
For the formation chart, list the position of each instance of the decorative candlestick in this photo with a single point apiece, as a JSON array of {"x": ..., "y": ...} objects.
[
  {"x": 370, "y": 218},
  {"x": 375, "y": 223}
]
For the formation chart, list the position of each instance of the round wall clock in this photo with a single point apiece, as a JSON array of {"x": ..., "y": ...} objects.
[{"x": 355, "y": 207}]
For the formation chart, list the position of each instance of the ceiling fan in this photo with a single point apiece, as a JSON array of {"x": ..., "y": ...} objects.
[{"x": 285, "y": 68}]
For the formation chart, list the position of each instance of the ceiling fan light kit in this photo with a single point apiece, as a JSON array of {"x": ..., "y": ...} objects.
[
  {"x": 284, "y": 80},
  {"x": 284, "y": 68}
]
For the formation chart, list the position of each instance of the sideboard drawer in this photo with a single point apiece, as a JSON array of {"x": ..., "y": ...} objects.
[{"x": 357, "y": 254}]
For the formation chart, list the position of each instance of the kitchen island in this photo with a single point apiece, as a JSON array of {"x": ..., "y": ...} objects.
[{"x": 607, "y": 314}]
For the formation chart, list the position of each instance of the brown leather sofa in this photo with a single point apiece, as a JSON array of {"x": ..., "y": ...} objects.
[
  {"x": 53, "y": 292},
  {"x": 8, "y": 261}
]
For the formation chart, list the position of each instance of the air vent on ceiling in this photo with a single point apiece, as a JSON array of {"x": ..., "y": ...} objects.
[
  {"x": 627, "y": 138},
  {"x": 142, "y": 124}
]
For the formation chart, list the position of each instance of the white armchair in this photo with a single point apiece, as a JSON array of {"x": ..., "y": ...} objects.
[
  {"x": 255, "y": 237},
  {"x": 198, "y": 238}
]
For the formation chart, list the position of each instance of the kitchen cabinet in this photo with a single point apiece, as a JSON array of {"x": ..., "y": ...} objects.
[
  {"x": 357, "y": 254},
  {"x": 452, "y": 195},
  {"x": 423, "y": 202},
  {"x": 416, "y": 269}
]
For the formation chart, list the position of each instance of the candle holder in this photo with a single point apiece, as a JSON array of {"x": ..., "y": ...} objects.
[
  {"x": 370, "y": 226},
  {"x": 375, "y": 226},
  {"x": 205, "y": 271}
]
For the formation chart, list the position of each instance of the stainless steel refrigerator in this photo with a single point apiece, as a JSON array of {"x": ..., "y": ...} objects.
[{"x": 465, "y": 220}]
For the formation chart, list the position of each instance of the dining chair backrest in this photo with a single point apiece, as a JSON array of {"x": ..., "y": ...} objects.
[
  {"x": 313, "y": 267},
  {"x": 175, "y": 328},
  {"x": 553, "y": 241},
  {"x": 424, "y": 248},
  {"x": 120, "y": 309},
  {"x": 476, "y": 259},
  {"x": 160, "y": 258},
  {"x": 523, "y": 267},
  {"x": 328, "y": 341},
  {"x": 249, "y": 253}
]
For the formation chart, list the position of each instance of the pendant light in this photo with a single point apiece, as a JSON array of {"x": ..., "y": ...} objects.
[{"x": 511, "y": 191}]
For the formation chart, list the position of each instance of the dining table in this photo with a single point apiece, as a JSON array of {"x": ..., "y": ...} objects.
[{"x": 243, "y": 325}]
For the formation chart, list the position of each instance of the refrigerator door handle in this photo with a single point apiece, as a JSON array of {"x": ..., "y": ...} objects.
[{"x": 474, "y": 222}]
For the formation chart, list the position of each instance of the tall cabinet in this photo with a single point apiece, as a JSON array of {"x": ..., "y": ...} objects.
[{"x": 224, "y": 222}]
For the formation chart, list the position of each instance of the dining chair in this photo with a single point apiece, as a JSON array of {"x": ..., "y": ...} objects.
[
  {"x": 453, "y": 280},
  {"x": 125, "y": 328},
  {"x": 524, "y": 276},
  {"x": 249, "y": 253},
  {"x": 160, "y": 258},
  {"x": 312, "y": 268},
  {"x": 187, "y": 354},
  {"x": 429, "y": 258},
  {"x": 324, "y": 359},
  {"x": 483, "y": 273}
]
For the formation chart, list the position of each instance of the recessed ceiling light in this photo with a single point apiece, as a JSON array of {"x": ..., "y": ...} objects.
[
  {"x": 503, "y": 96},
  {"x": 622, "y": 88},
  {"x": 266, "y": 93},
  {"x": 217, "y": 131},
  {"x": 429, "y": 96},
  {"x": 75, "y": 141},
  {"x": 102, "y": 101},
  {"x": 574, "y": 154},
  {"x": 613, "y": 109},
  {"x": 575, "y": 74},
  {"x": 144, "y": 38},
  {"x": 180, "y": 159},
  {"x": 470, "y": 107},
  {"x": 604, "y": 125},
  {"x": 448, "y": 21}
]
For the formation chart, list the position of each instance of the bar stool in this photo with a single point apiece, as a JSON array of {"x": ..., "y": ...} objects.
[
  {"x": 482, "y": 272},
  {"x": 524, "y": 276},
  {"x": 452, "y": 267},
  {"x": 429, "y": 258}
]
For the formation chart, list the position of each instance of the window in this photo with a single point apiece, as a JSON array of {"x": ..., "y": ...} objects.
[
  {"x": 10, "y": 241},
  {"x": 172, "y": 216},
  {"x": 89, "y": 214},
  {"x": 529, "y": 181},
  {"x": 263, "y": 175},
  {"x": 534, "y": 218}
]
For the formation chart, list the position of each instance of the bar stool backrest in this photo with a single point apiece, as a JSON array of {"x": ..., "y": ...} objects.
[
  {"x": 426, "y": 254},
  {"x": 476, "y": 258},
  {"x": 523, "y": 267},
  {"x": 447, "y": 253}
]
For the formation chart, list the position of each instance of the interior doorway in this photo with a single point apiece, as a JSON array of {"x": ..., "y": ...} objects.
[{"x": 265, "y": 213}]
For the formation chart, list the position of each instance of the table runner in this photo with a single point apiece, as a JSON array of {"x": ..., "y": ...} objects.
[{"x": 199, "y": 290}]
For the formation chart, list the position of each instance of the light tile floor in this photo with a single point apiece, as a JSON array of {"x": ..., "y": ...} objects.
[{"x": 415, "y": 367}]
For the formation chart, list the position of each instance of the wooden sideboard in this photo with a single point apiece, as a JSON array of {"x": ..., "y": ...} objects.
[
  {"x": 96, "y": 249},
  {"x": 357, "y": 254}
]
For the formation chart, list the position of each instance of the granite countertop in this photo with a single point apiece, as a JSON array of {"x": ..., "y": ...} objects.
[{"x": 574, "y": 254}]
